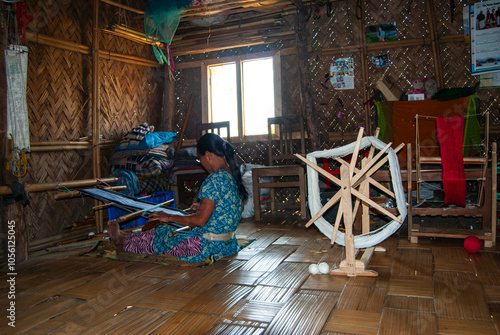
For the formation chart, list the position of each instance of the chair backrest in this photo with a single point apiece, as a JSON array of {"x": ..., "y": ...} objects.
[
  {"x": 286, "y": 137},
  {"x": 217, "y": 128}
]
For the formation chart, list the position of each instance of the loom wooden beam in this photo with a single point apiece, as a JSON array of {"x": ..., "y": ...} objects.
[
  {"x": 133, "y": 215},
  {"x": 4, "y": 190},
  {"x": 73, "y": 194}
]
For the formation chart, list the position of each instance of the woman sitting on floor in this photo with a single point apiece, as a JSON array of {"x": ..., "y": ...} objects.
[{"x": 218, "y": 214}]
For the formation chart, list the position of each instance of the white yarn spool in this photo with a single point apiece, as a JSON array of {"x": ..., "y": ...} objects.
[
  {"x": 323, "y": 268},
  {"x": 372, "y": 238},
  {"x": 313, "y": 269}
]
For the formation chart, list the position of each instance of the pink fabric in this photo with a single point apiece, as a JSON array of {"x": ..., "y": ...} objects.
[
  {"x": 189, "y": 247},
  {"x": 140, "y": 242}
]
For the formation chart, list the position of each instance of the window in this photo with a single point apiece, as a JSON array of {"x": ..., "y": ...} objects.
[{"x": 243, "y": 91}]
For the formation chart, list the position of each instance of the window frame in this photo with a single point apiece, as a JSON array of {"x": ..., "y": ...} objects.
[{"x": 238, "y": 60}]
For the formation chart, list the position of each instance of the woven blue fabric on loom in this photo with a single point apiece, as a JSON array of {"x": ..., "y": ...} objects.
[{"x": 127, "y": 203}]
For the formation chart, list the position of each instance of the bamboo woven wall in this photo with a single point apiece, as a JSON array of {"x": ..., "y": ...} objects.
[
  {"x": 338, "y": 35},
  {"x": 59, "y": 102},
  {"x": 58, "y": 94}
]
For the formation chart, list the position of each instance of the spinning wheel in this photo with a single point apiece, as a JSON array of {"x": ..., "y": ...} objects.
[{"x": 355, "y": 182}]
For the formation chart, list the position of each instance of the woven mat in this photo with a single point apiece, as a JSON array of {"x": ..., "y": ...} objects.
[{"x": 108, "y": 250}]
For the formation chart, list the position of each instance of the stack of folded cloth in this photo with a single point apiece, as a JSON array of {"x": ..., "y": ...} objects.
[
  {"x": 136, "y": 135},
  {"x": 144, "y": 152}
]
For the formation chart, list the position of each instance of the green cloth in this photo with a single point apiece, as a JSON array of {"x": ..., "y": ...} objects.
[
  {"x": 161, "y": 18},
  {"x": 382, "y": 122},
  {"x": 472, "y": 130}
]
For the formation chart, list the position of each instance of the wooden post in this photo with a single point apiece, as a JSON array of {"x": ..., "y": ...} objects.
[
  {"x": 434, "y": 43},
  {"x": 168, "y": 115},
  {"x": 410, "y": 186},
  {"x": 96, "y": 150},
  {"x": 347, "y": 210},
  {"x": 307, "y": 97},
  {"x": 364, "y": 65},
  {"x": 417, "y": 158},
  {"x": 494, "y": 190},
  {"x": 364, "y": 188}
]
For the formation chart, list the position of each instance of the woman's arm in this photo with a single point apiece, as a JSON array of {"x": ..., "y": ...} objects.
[{"x": 197, "y": 219}]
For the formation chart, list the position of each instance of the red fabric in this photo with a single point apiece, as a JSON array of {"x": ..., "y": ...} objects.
[
  {"x": 403, "y": 123},
  {"x": 22, "y": 18},
  {"x": 450, "y": 133}
]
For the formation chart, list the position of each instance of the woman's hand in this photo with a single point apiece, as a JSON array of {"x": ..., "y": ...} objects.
[
  {"x": 195, "y": 206},
  {"x": 160, "y": 216}
]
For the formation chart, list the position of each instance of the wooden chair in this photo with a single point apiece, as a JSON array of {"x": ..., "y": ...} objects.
[
  {"x": 282, "y": 146},
  {"x": 217, "y": 128}
]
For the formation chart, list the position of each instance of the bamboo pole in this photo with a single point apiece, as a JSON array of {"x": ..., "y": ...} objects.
[
  {"x": 364, "y": 66},
  {"x": 132, "y": 38},
  {"x": 494, "y": 190},
  {"x": 110, "y": 55},
  {"x": 83, "y": 49},
  {"x": 4, "y": 190},
  {"x": 56, "y": 143},
  {"x": 434, "y": 43},
  {"x": 277, "y": 12},
  {"x": 81, "y": 233},
  {"x": 185, "y": 123},
  {"x": 96, "y": 150},
  {"x": 119, "y": 5},
  {"x": 390, "y": 44},
  {"x": 233, "y": 7},
  {"x": 218, "y": 30},
  {"x": 38, "y": 148},
  {"x": 58, "y": 43},
  {"x": 398, "y": 44},
  {"x": 133, "y": 215}
]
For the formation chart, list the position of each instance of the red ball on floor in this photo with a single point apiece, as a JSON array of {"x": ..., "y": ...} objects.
[{"x": 472, "y": 244}]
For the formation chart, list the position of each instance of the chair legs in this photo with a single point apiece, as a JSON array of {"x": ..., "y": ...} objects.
[
  {"x": 276, "y": 171},
  {"x": 256, "y": 195}
]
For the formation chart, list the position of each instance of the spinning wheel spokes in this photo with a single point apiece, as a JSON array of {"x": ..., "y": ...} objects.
[{"x": 355, "y": 182}]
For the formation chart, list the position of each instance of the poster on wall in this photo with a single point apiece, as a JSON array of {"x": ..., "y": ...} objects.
[
  {"x": 381, "y": 32},
  {"x": 381, "y": 60},
  {"x": 489, "y": 80},
  {"x": 342, "y": 73},
  {"x": 484, "y": 26}
]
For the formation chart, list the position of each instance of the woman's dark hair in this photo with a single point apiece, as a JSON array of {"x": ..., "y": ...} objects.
[{"x": 215, "y": 144}]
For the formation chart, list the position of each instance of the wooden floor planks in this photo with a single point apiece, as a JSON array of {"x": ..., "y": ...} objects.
[{"x": 433, "y": 287}]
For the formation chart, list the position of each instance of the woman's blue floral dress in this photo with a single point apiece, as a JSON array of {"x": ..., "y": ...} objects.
[{"x": 220, "y": 187}]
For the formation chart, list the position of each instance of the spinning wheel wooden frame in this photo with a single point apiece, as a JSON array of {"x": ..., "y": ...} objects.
[{"x": 354, "y": 182}]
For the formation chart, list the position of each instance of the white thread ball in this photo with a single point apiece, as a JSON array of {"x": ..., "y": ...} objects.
[
  {"x": 323, "y": 268},
  {"x": 313, "y": 269}
]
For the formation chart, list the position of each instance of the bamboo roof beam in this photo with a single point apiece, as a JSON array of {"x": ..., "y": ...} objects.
[{"x": 119, "y": 5}]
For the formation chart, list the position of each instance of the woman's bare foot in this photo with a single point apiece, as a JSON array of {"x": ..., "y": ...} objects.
[{"x": 115, "y": 234}]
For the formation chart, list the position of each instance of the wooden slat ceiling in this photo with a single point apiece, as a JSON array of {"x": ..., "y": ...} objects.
[{"x": 229, "y": 7}]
